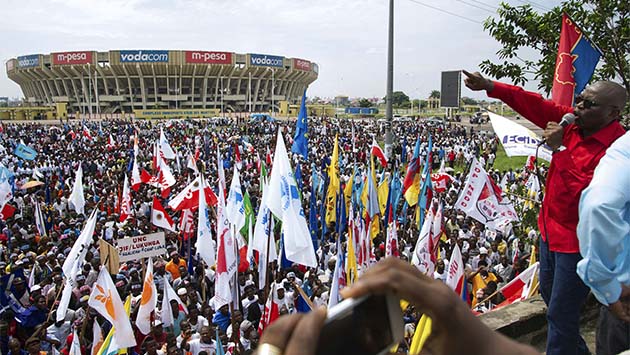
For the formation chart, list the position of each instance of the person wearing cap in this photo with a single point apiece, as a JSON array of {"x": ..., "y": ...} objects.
[
  {"x": 483, "y": 255},
  {"x": 41, "y": 269},
  {"x": 480, "y": 279},
  {"x": 249, "y": 336},
  {"x": 20, "y": 292},
  {"x": 158, "y": 333},
  {"x": 221, "y": 316},
  {"x": 173, "y": 265}
]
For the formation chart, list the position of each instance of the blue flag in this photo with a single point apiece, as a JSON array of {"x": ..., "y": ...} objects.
[
  {"x": 298, "y": 175},
  {"x": 300, "y": 140},
  {"x": 312, "y": 215},
  {"x": 426, "y": 188},
  {"x": 25, "y": 152}
]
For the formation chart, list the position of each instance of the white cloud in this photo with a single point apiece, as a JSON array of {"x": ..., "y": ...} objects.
[{"x": 348, "y": 39}]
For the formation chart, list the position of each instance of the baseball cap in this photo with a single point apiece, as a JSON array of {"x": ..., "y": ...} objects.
[{"x": 483, "y": 250}]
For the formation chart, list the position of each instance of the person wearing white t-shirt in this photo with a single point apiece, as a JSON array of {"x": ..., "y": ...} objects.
[{"x": 205, "y": 343}]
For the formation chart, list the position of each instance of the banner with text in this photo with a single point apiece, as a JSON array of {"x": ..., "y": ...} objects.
[
  {"x": 203, "y": 57},
  {"x": 72, "y": 58},
  {"x": 264, "y": 60},
  {"x": 29, "y": 61},
  {"x": 142, "y": 246},
  {"x": 516, "y": 139},
  {"x": 144, "y": 56},
  {"x": 301, "y": 64}
]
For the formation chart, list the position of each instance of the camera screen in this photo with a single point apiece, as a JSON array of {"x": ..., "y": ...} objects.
[{"x": 363, "y": 329}]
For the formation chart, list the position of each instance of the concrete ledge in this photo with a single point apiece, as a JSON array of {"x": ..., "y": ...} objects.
[{"x": 526, "y": 321}]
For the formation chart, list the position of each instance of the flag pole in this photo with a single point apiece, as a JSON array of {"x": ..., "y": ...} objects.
[{"x": 269, "y": 234}]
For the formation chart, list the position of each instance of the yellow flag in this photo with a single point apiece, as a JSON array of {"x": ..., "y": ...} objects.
[
  {"x": 412, "y": 193},
  {"x": 423, "y": 330},
  {"x": 333, "y": 185},
  {"x": 383, "y": 191},
  {"x": 347, "y": 191},
  {"x": 352, "y": 271}
]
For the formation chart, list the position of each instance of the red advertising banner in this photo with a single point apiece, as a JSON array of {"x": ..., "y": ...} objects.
[
  {"x": 301, "y": 64},
  {"x": 203, "y": 57},
  {"x": 69, "y": 58}
]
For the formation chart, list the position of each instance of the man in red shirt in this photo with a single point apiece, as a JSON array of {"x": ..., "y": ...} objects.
[{"x": 595, "y": 129}]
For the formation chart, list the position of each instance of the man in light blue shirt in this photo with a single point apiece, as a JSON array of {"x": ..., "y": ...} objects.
[{"x": 604, "y": 235}]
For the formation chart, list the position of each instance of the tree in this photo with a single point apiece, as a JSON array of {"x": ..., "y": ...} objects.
[
  {"x": 365, "y": 103},
  {"x": 607, "y": 22},
  {"x": 469, "y": 101},
  {"x": 435, "y": 94},
  {"x": 400, "y": 99}
]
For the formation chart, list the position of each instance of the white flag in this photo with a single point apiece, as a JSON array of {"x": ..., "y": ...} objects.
[
  {"x": 455, "y": 273},
  {"x": 148, "y": 300},
  {"x": 76, "y": 197},
  {"x": 262, "y": 236},
  {"x": 125, "y": 205},
  {"x": 106, "y": 301},
  {"x": 516, "y": 139},
  {"x": 481, "y": 199},
  {"x": 39, "y": 220},
  {"x": 204, "y": 244},
  {"x": 226, "y": 252},
  {"x": 284, "y": 202},
  {"x": 97, "y": 336},
  {"x": 235, "y": 207},
  {"x": 422, "y": 252},
  {"x": 75, "y": 347},
  {"x": 167, "y": 151},
  {"x": 167, "y": 312},
  {"x": 74, "y": 264}
]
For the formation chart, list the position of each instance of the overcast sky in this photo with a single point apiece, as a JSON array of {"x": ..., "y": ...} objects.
[{"x": 347, "y": 38}]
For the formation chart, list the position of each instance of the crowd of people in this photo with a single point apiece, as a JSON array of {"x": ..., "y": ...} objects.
[{"x": 32, "y": 256}]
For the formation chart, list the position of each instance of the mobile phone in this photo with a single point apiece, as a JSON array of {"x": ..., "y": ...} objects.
[{"x": 369, "y": 325}]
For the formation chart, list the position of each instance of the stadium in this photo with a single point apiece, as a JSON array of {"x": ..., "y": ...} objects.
[{"x": 161, "y": 82}]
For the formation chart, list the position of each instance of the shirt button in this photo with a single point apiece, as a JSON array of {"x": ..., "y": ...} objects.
[
  {"x": 590, "y": 279},
  {"x": 607, "y": 294}
]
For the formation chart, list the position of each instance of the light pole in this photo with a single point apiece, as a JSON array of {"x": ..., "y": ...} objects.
[{"x": 389, "y": 138}]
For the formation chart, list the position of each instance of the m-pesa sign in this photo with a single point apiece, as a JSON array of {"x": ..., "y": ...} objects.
[
  {"x": 203, "y": 57},
  {"x": 301, "y": 64},
  {"x": 68, "y": 58}
]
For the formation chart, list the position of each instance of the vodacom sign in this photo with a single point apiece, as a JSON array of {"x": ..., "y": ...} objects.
[{"x": 68, "y": 58}]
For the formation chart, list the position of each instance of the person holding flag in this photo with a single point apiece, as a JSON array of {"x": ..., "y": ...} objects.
[{"x": 596, "y": 113}]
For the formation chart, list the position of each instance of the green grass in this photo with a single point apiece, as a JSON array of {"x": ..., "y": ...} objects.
[{"x": 504, "y": 163}]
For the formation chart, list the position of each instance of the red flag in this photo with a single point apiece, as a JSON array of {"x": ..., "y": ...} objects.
[
  {"x": 125, "y": 205},
  {"x": 7, "y": 212},
  {"x": 189, "y": 197},
  {"x": 575, "y": 63},
  {"x": 519, "y": 288},
  {"x": 271, "y": 312},
  {"x": 268, "y": 157},
  {"x": 378, "y": 152},
  {"x": 441, "y": 181},
  {"x": 529, "y": 164},
  {"x": 86, "y": 133},
  {"x": 159, "y": 217}
]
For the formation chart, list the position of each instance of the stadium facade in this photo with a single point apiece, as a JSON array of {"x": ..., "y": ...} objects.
[{"x": 123, "y": 81}]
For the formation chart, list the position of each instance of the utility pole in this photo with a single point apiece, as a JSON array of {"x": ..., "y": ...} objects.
[{"x": 389, "y": 137}]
